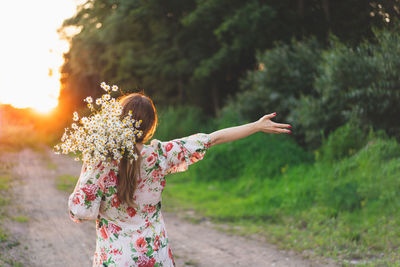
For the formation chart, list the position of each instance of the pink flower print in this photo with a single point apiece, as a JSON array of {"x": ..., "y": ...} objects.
[
  {"x": 77, "y": 198},
  {"x": 152, "y": 159},
  {"x": 141, "y": 245},
  {"x": 131, "y": 211},
  {"x": 114, "y": 229},
  {"x": 111, "y": 179},
  {"x": 90, "y": 191},
  {"x": 168, "y": 147},
  {"x": 145, "y": 261},
  {"x": 104, "y": 232},
  {"x": 115, "y": 201}
]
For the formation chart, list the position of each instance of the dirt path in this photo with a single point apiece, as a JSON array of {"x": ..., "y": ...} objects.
[{"x": 50, "y": 238}]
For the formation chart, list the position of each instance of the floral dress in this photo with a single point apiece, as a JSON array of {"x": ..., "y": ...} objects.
[{"x": 126, "y": 235}]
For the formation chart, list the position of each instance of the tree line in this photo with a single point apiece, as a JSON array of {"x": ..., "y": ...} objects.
[{"x": 196, "y": 52}]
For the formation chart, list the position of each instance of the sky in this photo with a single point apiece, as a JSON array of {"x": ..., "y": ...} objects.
[{"x": 30, "y": 50}]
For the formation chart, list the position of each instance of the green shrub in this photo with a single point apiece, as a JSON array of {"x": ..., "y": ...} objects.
[
  {"x": 343, "y": 142},
  {"x": 284, "y": 74},
  {"x": 358, "y": 85},
  {"x": 341, "y": 71},
  {"x": 181, "y": 121},
  {"x": 260, "y": 156}
]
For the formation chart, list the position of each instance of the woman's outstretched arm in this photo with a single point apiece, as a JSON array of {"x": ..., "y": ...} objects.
[{"x": 264, "y": 124}]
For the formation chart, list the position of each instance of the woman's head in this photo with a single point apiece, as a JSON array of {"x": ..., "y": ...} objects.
[{"x": 142, "y": 109}]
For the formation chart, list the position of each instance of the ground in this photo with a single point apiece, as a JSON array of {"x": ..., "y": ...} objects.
[{"x": 45, "y": 236}]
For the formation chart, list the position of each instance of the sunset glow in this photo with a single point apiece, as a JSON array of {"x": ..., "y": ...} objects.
[{"x": 31, "y": 52}]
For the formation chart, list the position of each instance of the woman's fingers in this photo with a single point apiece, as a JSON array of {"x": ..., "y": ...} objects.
[
  {"x": 273, "y": 127},
  {"x": 283, "y": 125},
  {"x": 269, "y": 116},
  {"x": 280, "y": 130}
]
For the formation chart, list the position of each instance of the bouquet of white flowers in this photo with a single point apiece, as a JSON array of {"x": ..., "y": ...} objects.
[{"x": 102, "y": 136}]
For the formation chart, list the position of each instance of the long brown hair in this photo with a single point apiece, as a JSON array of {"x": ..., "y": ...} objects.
[{"x": 142, "y": 108}]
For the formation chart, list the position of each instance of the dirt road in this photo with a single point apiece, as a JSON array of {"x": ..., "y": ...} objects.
[{"x": 50, "y": 238}]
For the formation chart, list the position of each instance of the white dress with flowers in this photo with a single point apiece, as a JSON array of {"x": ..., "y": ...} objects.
[{"x": 128, "y": 236}]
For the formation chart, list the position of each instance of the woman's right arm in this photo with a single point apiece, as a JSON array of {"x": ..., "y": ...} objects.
[
  {"x": 84, "y": 202},
  {"x": 264, "y": 124}
]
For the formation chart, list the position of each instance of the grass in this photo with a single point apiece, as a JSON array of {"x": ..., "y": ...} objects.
[
  {"x": 21, "y": 218},
  {"x": 5, "y": 181},
  {"x": 7, "y": 242},
  {"x": 51, "y": 166},
  {"x": 66, "y": 182},
  {"x": 347, "y": 209}
]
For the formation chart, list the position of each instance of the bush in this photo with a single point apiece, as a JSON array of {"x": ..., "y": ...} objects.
[
  {"x": 359, "y": 85},
  {"x": 344, "y": 141},
  {"x": 181, "y": 121},
  {"x": 284, "y": 74},
  {"x": 260, "y": 156}
]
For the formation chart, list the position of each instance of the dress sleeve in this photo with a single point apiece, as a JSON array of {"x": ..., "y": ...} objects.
[
  {"x": 84, "y": 202},
  {"x": 178, "y": 154}
]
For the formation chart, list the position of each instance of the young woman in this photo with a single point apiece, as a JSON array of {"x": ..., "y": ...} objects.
[{"x": 125, "y": 198}]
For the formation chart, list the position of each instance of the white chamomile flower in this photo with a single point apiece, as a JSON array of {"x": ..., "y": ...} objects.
[
  {"x": 102, "y": 136},
  {"x": 138, "y": 123},
  {"x": 76, "y": 116},
  {"x": 106, "y": 97}
]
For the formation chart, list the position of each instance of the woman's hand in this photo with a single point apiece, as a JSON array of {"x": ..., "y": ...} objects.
[
  {"x": 234, "y": 133},
  {"x": 265, "y": 125}
]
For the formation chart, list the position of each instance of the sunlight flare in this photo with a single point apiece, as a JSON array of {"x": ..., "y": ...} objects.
[{"x": 31, "y": 52}]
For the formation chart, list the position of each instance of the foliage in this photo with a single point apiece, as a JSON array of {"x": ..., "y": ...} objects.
[
  {"x": 195, "y": 52},
  {"x": 317, "y": 90},
  {"x": 345, "y": 209},
  {"x": 343, "y": 142},
  {"x": 285, "y": 73},
  {"x": 250, "y": 156},
  {"x": 180, "y": 121},
  {"x": 358, "y": 85}
]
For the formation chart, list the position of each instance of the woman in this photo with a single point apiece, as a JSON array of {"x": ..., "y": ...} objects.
[{"x": 125, "y": 198}]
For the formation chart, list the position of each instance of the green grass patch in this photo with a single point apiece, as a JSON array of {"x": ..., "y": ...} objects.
[
  {"x": 3, "y": 235},
  {"x": 51, "y": 166},
  {"x": 347, "y": 209},
  {"x": 20, "y": 218},
  {"x": 7, "y": 242},
  {"x": 66, "y": 182},
  {"x": 4, "y": 182}
]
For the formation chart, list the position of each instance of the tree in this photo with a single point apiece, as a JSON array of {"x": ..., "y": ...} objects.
[{"x": 195, "y": 52}]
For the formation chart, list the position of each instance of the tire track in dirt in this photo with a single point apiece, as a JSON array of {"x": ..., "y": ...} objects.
[{"x": 50, "y": 238}]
